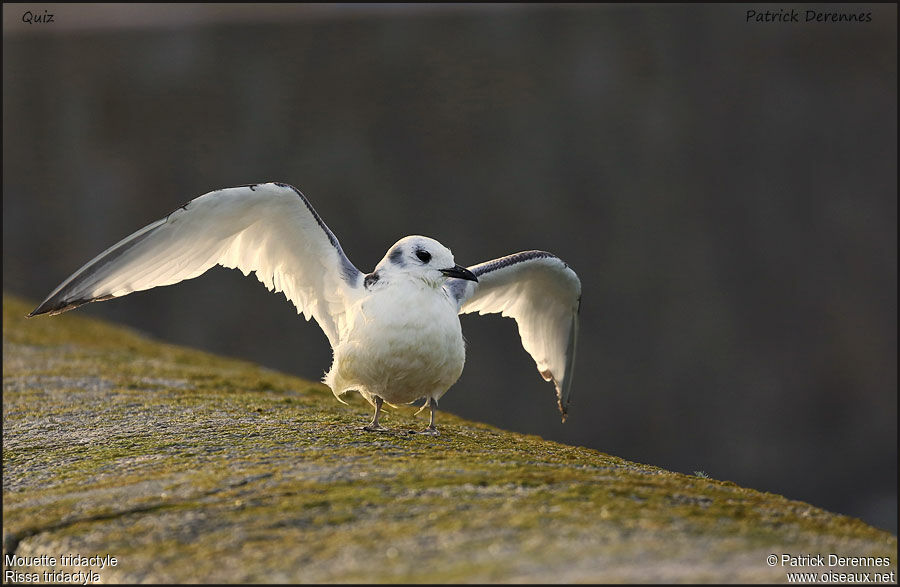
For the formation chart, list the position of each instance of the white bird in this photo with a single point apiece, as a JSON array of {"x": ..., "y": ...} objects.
[{"x": 395, "y": 332}]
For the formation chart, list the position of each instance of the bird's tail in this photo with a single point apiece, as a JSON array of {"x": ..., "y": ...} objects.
[{"x": 330, "y": 380}]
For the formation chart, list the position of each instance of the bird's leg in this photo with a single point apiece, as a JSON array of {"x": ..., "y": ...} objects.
[
  {"x": 374, "y": 426},
  {"x": 432, "y": 403}
]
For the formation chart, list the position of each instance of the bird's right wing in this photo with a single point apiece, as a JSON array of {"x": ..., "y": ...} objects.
[
  {"x": 267, "y": 228},
  {"x": 542, "y": 293}
]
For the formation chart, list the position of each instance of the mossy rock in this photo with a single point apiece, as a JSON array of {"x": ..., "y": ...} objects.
[{"x": 187, "y": 467}]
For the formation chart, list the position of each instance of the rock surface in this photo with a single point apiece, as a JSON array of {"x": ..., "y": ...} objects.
[{"x": 186, "y": 467}]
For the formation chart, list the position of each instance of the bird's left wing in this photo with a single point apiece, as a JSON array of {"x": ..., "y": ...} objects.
[
  {"x": 267, "y": 228},
  {"x": 543, "y": 295}
]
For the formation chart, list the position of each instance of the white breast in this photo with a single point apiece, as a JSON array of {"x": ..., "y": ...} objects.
[{"x": 403, "y": 343}]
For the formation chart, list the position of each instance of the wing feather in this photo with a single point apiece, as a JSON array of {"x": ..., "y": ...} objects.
[
  {"x": 270, "y": 229},
  {"x": 543, "y": 295}
]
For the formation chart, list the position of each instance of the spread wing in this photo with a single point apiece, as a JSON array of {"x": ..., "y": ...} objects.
[
  {"x": 544, "y": 296},
  {"x": 267, "y": 228}
]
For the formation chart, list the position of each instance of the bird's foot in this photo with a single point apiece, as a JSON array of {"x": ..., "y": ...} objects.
[
  {"x": 430, "y": 431},
  {"x": 371, "y": 428}
]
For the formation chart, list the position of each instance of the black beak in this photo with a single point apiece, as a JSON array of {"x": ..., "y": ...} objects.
[{"x": 460, "y": 272}]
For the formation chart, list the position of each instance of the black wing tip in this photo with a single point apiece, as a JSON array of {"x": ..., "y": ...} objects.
[
  {"x": 563, "y": 410},
  {"x": 54, "y": 307},
  {"x": 44, "y": 308},
  {"x": 563, "y": 407}
]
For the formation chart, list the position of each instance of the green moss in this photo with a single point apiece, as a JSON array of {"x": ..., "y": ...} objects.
[{"x": 192, "y": 467}]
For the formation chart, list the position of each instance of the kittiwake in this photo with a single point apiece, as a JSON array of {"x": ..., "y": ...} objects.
[{"x": 395, "y": 332}]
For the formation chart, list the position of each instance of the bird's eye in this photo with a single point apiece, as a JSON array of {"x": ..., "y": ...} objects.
[{"x": 424, "y": 256}]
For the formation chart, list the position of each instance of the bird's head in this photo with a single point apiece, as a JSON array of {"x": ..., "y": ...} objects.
[{"x": 422, "y": 258}]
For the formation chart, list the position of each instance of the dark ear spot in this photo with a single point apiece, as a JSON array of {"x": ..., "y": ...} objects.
[
  {"x": 396, "y": 257},
  {"x": 423, "y": 255}
]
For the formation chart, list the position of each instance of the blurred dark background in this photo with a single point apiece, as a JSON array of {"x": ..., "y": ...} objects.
[{"x": 726, "y": 190}]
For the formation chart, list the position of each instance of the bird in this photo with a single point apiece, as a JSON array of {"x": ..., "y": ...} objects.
[{"x": 395, "y": 332}]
